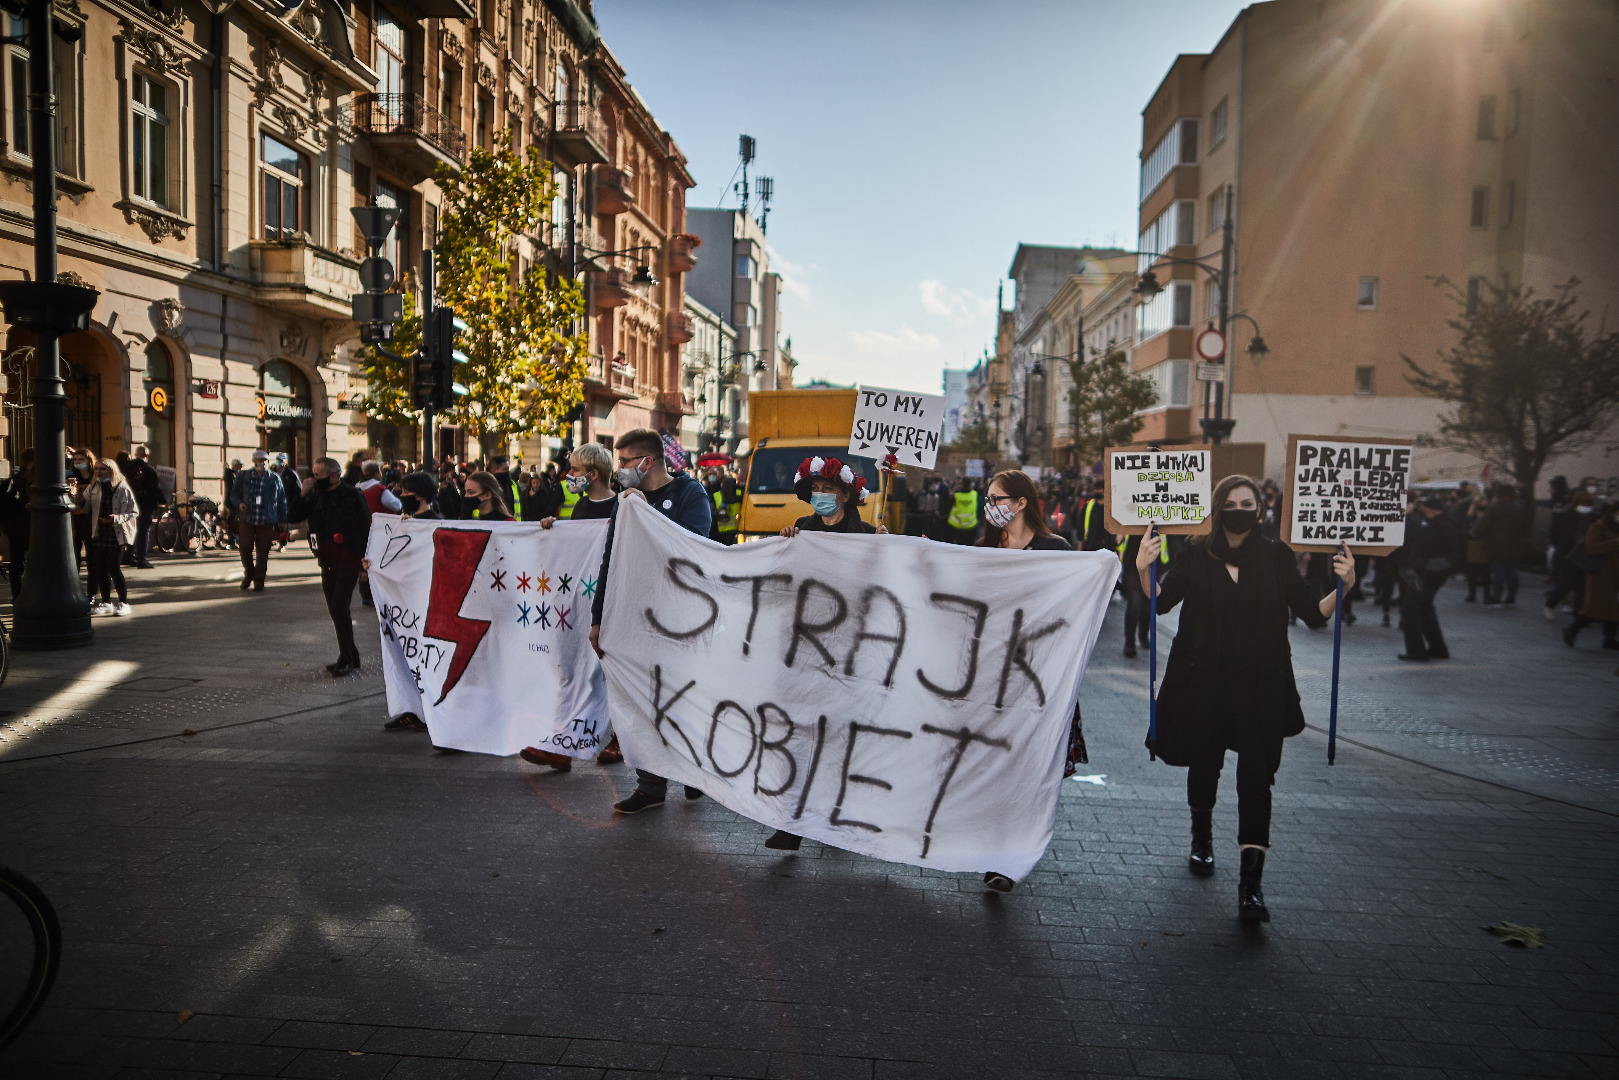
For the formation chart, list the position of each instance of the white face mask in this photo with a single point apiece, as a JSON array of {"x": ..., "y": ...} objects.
[
  {"x": 631, "y": 477},
  {"x": 999, "y": 515}
]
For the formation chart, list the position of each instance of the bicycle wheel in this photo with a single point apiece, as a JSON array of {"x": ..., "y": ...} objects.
[
  {"x": 30, "y": 951},
  {"x": 190, "y": 536},
  {"x": 166, "y": 533}
]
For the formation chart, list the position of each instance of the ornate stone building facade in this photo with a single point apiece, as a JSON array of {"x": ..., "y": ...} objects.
[{"x": 210, "y": 153}]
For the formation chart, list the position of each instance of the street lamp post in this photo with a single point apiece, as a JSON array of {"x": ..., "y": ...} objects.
[
  {"x": 1216, "y": 426},
  {"x": 52, "y": 611}
]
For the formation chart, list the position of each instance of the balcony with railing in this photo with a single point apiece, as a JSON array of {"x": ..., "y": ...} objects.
[
  {"x": 302, "y": 278},
  {"x": 615, "y": 189},
  {"x": 683, "y": 252},
  {"x": 578, "y": 134},
  {"x": 612, "y": 288},
  {"x": 413, "y": 137}
]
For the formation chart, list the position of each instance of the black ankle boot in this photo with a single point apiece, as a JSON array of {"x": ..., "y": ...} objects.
[
  {"x": 1250, "y": 898},
  {"x": 1201, "y": 861}
]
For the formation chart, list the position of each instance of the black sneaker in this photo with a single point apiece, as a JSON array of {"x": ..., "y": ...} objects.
[
  {"x": 692, "y": 794},
  {"x": 1130, "y": 652},
  {"x": 782, "y": 840},
  {"x": 405, "y": 722},
  {"x": 998, "y": 882},
  {"x": 638, "y": 801}
]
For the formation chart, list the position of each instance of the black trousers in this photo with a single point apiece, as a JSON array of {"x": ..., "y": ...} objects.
[
  {"x": 1256, "y": 773},
  {"x": 19, "y": 557},
  {"x": 337, "y": 582},
  {"x": 1418, "y": 619},
  {"x": 143, "y": 535},
  {"x": 105, "y": 555},
  {"x": 1137, "y": 619}
]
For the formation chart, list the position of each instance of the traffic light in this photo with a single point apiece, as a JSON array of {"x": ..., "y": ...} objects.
[
  {"x": 447, "y": 357},
  {"x": 423, "y": 373},
  {"x": 376, "y": 309}
]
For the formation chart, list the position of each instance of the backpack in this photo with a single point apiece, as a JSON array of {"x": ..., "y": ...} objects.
[{"x": 1582, "y": 560}]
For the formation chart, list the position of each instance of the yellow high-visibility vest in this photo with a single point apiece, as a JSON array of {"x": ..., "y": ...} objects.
[
  {"x": 1163, "y": 551},
  {"x": 569, "y": 500},
  {"x": 964, "y": 514},
  {"x": 726, "y": 522}
]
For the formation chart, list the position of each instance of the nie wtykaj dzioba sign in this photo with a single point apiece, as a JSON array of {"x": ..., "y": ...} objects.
[{"x": 1170, "y": 488}]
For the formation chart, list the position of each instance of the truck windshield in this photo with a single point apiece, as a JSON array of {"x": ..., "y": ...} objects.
[{"x": 771, "y": 471}]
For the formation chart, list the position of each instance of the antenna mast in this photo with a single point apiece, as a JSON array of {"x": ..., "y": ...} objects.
[
  {"x": 745, "y": 148},
  {"x": 765, "y": 188}
]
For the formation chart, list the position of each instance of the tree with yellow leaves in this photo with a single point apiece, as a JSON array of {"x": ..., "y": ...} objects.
[{"x": 527, "y": 362}]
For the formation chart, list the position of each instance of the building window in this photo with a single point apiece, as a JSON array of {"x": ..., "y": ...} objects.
[
  {"x": 1486, "y": 117},
  {"x": 1480, "y": 216},
  {"x": 748, "y": 315},
  {"x": 1177, "y": 147},
  {"x": 1514, "y": 111},
  {"x": 449, "y": 91},
  {"x": 1211, "y": 299},
  {"x": 285, "y": 176},
  {"x": 1365, "y": 381},
  {"x": 393, "y": 249},
  {"x": 1215, "y": 214},
  {"x": 286, "y": 413},
  {"x": 1182, "y": 314},
  {"x": 744, "y": 266},
  {"x": 1217, "y": 124},
  {"x": 1475, "y": 295},
  {"x": 149, "y": 125},
  {"x": 19, "y": 125},
  {"x": 1509, "y": 199},
  {"x": 485, "y": 121},
  {"x": 1185, "y": 222},
  {"x": 1366, "y": 296},
  {"x": 393, "y": 57}
]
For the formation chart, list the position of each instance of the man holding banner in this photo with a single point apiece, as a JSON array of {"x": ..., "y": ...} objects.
[
  {"x": 643, "y": 472},
  {"x": 1229, "y": 681}
]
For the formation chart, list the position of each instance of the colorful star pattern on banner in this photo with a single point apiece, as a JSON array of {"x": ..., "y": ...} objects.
[
  {"x": 590, "y": 586},
  {"x": 562, "y": 618},
  {"x": 523, "y": 582},
  {"x": 543, "y": 614},
  {"x": 522, "y": 614},
  {"x": 563, "y": 582},
  {"x": 542, "y": 583},
  {"x": 497, "y": 580}
]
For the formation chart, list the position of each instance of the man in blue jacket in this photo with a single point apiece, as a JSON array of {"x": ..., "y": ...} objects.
[{"x": 644, "y": 474}]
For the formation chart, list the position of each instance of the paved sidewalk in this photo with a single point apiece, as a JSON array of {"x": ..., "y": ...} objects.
[{"x": 292, "y": 892}]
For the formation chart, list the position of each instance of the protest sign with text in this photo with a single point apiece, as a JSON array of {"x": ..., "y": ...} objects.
[
  {"x": 884, "y": 694},
  {"x": 1347, "y": 490},
  {"x": 1168, "y": 487},
  {"x": 486, "y": 631},
  {"x": 909, "y": 426}
]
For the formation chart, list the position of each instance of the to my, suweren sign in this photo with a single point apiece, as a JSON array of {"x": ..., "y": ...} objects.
[{"x": 1162, "y": 487}]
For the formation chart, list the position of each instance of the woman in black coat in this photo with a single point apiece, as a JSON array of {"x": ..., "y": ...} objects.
[{"x": 1229, "y": 682}]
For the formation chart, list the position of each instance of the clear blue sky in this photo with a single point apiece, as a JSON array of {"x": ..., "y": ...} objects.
[{"x": 914, "y": 144}]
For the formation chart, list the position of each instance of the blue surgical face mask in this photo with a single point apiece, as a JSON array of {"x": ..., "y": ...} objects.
[{"x": 824, "y": 503}]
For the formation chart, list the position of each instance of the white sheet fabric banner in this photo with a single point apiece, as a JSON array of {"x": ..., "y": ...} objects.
[
  {"x": 486, "y": 631},
  {"x": 885, "y": 694}
]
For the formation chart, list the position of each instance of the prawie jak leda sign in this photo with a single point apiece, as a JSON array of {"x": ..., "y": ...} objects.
[
  {"x": 1170, "y": 488},
  {"x": 884, "y": 694},
  {"x": 1346, "y": 490}
]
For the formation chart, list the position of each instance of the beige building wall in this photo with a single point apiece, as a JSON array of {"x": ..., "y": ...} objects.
[{"x": 1353, "y": 144}]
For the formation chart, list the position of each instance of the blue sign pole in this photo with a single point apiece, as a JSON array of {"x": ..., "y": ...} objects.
[
  {"x": 1337, "y": 643},
  {"x": 1152, "y": 660}
]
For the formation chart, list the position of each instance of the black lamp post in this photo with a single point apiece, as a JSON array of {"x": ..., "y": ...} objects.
[
  {"x": 51, "y": 611},
  {"x": 1216, "y": 425}
]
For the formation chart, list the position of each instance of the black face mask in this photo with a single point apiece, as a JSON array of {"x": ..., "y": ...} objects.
[{"x": 1238, "y": 522}]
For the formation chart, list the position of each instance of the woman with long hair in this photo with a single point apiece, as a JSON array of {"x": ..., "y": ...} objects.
[
  {"x": 111, "y": 511},
  {"x": 483, "y": 498},
  {"x": 1229, "y": 681},
  {"x": 1013, "y": 521}
]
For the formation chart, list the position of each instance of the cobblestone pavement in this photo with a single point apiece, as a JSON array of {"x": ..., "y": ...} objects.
[{"x": 292, "y": 892}]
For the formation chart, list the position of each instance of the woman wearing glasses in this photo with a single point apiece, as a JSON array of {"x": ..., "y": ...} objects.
[
  {"x": 1012, "y": 521},
  {"x": 1229, "y": 682}
]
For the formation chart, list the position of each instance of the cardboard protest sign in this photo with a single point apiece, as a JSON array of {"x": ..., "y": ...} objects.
[
  {"x": 1343, "y": 489},
  {"x": 909, "y": 426},
  {"x": 486, "y": 631},
  {"x": 884, "y": 694},
  {"x": 1170, "y": 487}
]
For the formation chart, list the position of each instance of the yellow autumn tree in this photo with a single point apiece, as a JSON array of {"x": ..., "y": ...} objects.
[{"x": 527, "y": 362}]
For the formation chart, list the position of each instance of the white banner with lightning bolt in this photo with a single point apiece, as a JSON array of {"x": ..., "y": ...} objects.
[{"x": 485, "y": 631}]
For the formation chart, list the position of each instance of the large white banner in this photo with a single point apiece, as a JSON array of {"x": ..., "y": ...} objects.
[
  {"x": 486, "y": 631},
  {"x": 885, "y": 694}
]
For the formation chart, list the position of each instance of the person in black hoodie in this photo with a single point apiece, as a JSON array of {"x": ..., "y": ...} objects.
[
  {"x": 339, "y": 523},
  {"x": 1229, "y": 681},
  {"x": 643, "y": 473}
]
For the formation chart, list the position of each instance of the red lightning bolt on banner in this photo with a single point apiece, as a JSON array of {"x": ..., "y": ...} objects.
[{"x": 456, "y": 554}]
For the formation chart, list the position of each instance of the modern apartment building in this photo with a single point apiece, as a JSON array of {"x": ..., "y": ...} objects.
[
  {"x": 209, "y": 162},
  {"x": 1369, "y": 147}
]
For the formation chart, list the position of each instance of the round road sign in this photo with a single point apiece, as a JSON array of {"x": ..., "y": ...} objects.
[{"x": 1210, "y": 345}]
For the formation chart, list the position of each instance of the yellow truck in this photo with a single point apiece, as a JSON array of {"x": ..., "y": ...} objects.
[{"x": 784, "y": 428}]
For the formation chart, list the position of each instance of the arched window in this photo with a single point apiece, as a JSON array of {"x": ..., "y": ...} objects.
[
  {"x": 157, "y": 385},
  {"x": 286, "y": 413}
]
